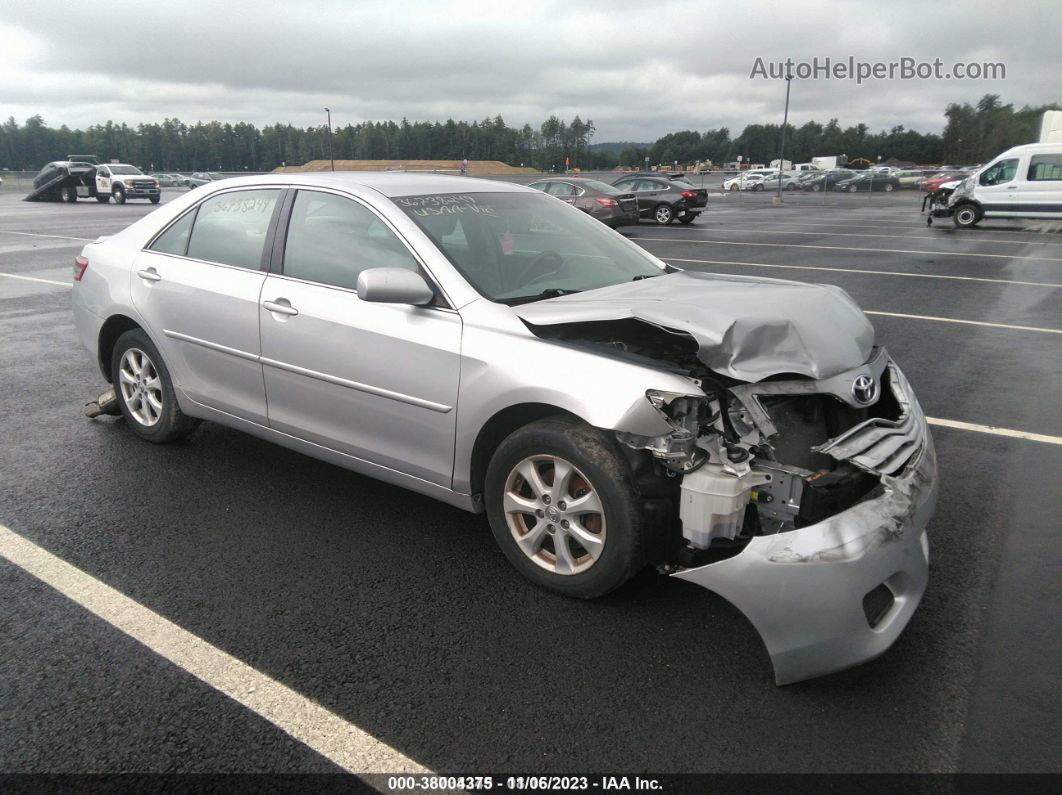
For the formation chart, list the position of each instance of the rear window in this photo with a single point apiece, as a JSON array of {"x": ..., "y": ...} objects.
[{"x": 1045, "y": 168}]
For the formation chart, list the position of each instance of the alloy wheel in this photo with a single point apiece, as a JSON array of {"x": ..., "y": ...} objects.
[
  {"x": 554, "y": 514},
  {"x": 141, "y": 387}
]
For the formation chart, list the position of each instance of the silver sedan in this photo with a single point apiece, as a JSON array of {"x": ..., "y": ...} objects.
[{"x": 490, "y": 346}]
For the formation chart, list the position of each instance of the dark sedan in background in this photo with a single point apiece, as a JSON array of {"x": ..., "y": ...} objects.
[
  {"x": 663, "y": 200},
  {"x": 824, "y": 180},
  {"x": 610, "y": 205},
  {"x": 869, "y": 180}
]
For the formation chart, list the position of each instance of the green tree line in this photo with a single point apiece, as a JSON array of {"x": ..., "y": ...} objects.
[
  {"x": 973, "y": 133},
  {"x": 215, "y": 146}
]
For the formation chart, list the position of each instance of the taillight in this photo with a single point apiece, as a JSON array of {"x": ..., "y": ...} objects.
[
  {"x": 607, "y": 202},
  {"x": 80, "y": 266},
  {"x": 689, "y": 194}
]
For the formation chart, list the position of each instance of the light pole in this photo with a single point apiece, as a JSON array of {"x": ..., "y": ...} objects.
[
  {"x": 330, "y": 155},
  {"x": 785, "y": 123}
]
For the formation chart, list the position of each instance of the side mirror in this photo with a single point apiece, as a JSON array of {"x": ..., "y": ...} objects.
[{"x": 393, "y": 286}]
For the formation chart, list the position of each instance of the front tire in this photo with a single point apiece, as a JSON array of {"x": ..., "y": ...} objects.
[
  {"x": 155, "y": 199},
  {"x": 563, "y": 506},
  {"x": 663, "y": 214},
  {"x": 966, "y": 216},
  {"x": 119, "y": 196},
  {"x": 145, "y": 390}
]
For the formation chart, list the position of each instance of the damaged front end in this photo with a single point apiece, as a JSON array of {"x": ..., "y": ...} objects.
[{"x": 804, "y": 503}]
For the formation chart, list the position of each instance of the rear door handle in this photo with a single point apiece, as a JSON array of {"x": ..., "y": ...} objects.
[
  {"x": 282, "y": 306},
  {"x": 149, "y": 275}
]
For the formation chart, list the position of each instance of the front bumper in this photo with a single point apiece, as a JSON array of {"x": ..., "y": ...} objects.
[{"x": 804, "y": 590}]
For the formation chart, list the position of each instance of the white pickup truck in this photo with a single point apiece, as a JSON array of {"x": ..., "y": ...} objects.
[{"x": 83, "y": 177}]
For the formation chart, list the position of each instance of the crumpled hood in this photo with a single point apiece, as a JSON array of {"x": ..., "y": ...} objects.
[{"x": 747, "y": 328}]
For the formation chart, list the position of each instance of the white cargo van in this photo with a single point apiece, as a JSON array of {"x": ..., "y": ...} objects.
[{"x": 1023, "y": 182}]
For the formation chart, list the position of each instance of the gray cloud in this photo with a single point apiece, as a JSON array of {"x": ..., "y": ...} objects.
[{"x": 637, "y": 69}]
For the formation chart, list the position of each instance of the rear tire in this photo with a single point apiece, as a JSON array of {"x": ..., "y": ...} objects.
[
  {"x": 103, "y": 198},
  {"x": 144, "y": 389},
  {"x": 686, "y": 220},
  {"x": 966, "y": 216},
  {"x": 605, "y": 543},
  {"x": 889, "y": 187},
  {"x": 663, "y": 214},
  {"x": 68, "y": 194}
]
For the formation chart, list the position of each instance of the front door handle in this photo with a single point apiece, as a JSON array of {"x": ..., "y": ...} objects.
[
  {"x": 149, "y": 275},
  {"x": 282, "y": 306}
]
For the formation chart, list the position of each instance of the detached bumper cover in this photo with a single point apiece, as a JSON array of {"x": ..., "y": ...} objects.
[{"x": 803, "y": 590}]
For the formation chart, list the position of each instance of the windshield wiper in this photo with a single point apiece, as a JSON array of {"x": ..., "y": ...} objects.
[{"x": 551, "y": 292}]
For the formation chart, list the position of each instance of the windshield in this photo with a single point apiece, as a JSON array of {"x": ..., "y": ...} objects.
[
  {"x": 127, "y": 170},
  {"x": 514, "y": 247}
]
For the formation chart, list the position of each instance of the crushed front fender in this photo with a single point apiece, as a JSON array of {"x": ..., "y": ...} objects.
[{"x": 804, "y": 590}]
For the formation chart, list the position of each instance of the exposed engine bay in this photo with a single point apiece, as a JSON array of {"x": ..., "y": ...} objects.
[{"x": 753, "y": 459}]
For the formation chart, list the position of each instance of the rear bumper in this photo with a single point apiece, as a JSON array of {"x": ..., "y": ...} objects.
[{"x": 804, "y": 590}]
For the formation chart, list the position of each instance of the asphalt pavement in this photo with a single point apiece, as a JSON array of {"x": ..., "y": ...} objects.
[{"x": 399, "y": 614}]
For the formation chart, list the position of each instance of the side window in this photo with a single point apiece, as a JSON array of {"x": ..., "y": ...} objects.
[
  {"x": 175, "y": 239},
  {"x": 1001, "y": 172},
  {"x": 332, "y": 239},
  {"x": 542, "y": 186},
  {"x": 562, "y": 189},
  {"x": 1045, "y": 168},
  {"x": 230, "y": 228}
]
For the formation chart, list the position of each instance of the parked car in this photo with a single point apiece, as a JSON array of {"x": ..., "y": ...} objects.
[
  {"x": 744, "y": 182},
  {"x": 608, "y": 411},
  {"x": 1023, "y": 182},
  {"x": 169, "y": 180},
  {"x": 665, "y": 200},
  {"x": 869, "y": 181},
  {"x": 911, "y": 178},
  {"x": 789, "y": 182},
  {"x": 608, "y": 204},
  {"x": 932, "y": 184},
  {"x": 203, "y": 177},
  {"x": 825, "y": 180}
]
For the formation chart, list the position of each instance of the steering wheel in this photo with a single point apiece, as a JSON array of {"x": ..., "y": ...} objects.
[{"x": 547, "y": 259}]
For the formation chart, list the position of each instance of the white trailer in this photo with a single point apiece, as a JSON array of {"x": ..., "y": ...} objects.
[{"x": 1051, "y": 127}]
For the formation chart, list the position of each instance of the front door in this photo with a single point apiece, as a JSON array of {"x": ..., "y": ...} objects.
[
  {"x": 376, "y": 381},
  {"x": 997, "y": 188}
]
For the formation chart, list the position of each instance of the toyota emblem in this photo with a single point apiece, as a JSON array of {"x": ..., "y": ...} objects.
[{"x": 865, "y": 389}]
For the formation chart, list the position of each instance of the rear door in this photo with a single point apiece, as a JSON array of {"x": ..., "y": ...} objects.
[
  {"x": 197, "y": 286},
  {"x": 1041, "y": 193},
  {"x": 372, "y": 380}
]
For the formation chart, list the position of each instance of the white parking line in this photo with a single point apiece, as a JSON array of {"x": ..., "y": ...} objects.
[
  {"x": 757, "y": 231},
  {"x": 992, "y": 429},
  {"x": 687, "y": 241},
  {"x": 36, "y": 234},
  {"x": 34, "y": 279},
  {"x": 875, "y": 223},
  {"x": 863, "y": 270},
  {"x": 308, "y": 722},
  {"x": 966, "y": 322}
]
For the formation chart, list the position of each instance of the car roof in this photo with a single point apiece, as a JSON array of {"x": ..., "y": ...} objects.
[{"x": 389, "y": 183}]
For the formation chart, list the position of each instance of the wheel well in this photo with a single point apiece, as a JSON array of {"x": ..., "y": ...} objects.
[
  {"x": 115, "y": 327},
  {"x": 498, "y": 427}
]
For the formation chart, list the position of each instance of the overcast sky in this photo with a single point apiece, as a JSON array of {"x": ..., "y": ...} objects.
[{"x": 638, "y": 68}]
